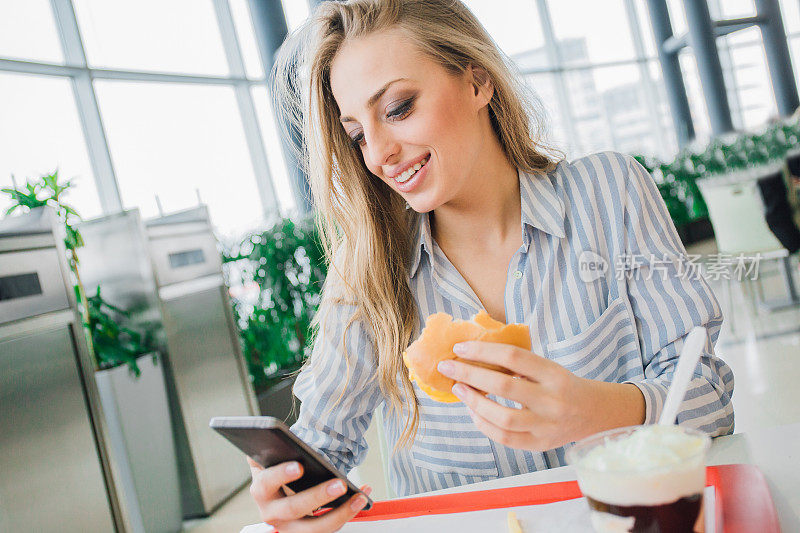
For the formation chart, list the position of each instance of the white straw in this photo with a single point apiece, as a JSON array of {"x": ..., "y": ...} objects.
[{"x": 687, "y": 362}]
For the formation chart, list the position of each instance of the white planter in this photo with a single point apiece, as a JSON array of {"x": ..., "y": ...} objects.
[{"x": 136, "y": 413}]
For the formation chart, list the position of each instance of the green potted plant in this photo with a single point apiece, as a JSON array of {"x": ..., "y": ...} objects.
[
  {"x": 110, "y": 343},
  {"x": 733, "y": 157},
  {"x": 284, "y": 269},
  {"x": 130, "y": 384},
  {"x": 668, "y": 190}
]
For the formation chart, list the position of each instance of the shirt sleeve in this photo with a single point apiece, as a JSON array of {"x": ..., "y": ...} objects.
[
  {"x": 338, "y": 389},
  {"x": 669, "y": 297}
]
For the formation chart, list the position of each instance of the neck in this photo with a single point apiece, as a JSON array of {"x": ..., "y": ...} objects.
[{"x": 486, "y": 212}]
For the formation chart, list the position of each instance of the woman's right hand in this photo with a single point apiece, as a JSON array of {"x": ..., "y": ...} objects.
[{"x": 288, "y": 514}]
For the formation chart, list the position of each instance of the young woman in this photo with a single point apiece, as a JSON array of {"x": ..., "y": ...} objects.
[{"x": 434, "y": 194}]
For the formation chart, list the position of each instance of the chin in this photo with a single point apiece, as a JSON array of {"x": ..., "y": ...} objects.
[{"x": 422, "y": 207}]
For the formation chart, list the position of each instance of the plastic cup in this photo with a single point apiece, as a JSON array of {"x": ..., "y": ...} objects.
[{"x": 652, "y": 481}]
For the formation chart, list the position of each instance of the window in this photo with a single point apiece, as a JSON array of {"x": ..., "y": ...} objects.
[
  {"x": 41, "y": 132},
  {"x": 602, "y": 27},
  {"x": 516, "y": 34},
  {"x": 173, "y": 139},
  {"x": 544, "y": 87},
  {"x": 177, "y": 141},
  {"x": 587, "y": 106},
  {"x": 694, "y": 92},
  {"x": 626, "y": 108},
  {"x": 668, "y": 142},
  {"x": 180, "y": 36},
  {"x": 747, "y": 78},
  {"x": 247, "y": 38},
  {"x": 28, "y": 31},
  {"x": 645, "y": 27},
  {"x": 790, "y": 10},
  {"x": 295, "y": 12},
  {"x": 170, "y": 139},
  {"x": 272, "y": 144},
  {"x": 677, "y": 17},
  {"x": 744, "y": 66},
  {"x": 794, "y": 48},
  {"x": 610, "y": 110},
  {"x": 730, "y": 9}
]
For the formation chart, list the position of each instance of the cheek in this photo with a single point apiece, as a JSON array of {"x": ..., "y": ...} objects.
[
  {"x": 443, "y": 120},
  {"x": 448, "y": 126},
  {"x": 375, "y": 170}
]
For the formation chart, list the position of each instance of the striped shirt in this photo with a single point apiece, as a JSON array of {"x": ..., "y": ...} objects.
[{"x": 600, "y": 279}]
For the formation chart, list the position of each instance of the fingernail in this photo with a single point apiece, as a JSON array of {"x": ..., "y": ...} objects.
[
  {"x": 336, "y": 488},
  {"x": 459, "y": 390},
  {"x": 446, "y": 367},
  {"x": 359, "y": 502},
  {"x": 461, "y": 348},
  {"x": 293, "y": 469}
]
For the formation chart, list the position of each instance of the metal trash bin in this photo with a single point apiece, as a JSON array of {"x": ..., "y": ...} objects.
[
  {"x": 53, "y": 459},
  {"x": 169, "y": 272}
]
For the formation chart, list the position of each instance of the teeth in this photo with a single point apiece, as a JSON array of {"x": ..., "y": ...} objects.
[{"x": 405, "y": 176}]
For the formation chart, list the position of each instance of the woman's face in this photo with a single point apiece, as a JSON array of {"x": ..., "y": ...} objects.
[{"x": 402, "y": 110}]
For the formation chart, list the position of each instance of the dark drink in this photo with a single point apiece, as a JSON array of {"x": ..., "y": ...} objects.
[
  {"x": 680, "y": 515},
  {"x": 642, "y": 478}
]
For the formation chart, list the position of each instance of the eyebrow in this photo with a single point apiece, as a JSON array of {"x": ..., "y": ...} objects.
[{"x": 372, "y": 99}]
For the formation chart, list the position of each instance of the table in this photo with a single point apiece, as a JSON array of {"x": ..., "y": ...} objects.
[{"x": 775, "y": 451}]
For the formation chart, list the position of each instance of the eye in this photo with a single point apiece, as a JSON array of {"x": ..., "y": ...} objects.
[
  {"x": 357, "y": 140},
  {"x": 398, "y": 113},
  {"x": 401, "y": 111}
]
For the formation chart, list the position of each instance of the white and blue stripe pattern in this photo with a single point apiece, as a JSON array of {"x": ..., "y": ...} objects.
[{"x": 616, "y": 328}]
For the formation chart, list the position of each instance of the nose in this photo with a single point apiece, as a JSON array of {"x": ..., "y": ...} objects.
[{"x": 382, "y": 147}]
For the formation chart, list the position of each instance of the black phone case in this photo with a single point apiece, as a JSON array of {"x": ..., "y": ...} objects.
[{"x": 269, "y": 442}]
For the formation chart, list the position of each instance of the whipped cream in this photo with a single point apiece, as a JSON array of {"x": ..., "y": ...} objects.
[
  {"x": 654, "y": 465},
  {"x": 646, "y": 448}
]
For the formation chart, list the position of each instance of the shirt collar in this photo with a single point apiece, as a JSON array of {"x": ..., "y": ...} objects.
[
  {"x": 542, "y": 208},
  {"x": 423, "y": 238}
]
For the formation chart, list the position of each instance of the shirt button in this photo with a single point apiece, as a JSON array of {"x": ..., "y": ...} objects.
[{"x": 517, "y": 274}]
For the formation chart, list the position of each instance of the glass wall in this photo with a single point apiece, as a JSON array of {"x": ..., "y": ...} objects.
[
  {"x": 182, "y": 105},
  {"x": 184, "y": 110},
  {"x": 791, "y": 23},
  {"x": 40, "y": 132},
  {"x": 593, "y": 73},
  {"x": 744, "y": 64},
  {"x": 182, "y": 36},
  {"x": 28, "y": 31},
  {"x": 180, "y": 144},
  {"x": 598, "y": 75}
]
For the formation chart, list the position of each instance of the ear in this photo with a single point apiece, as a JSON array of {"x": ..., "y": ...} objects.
[{"x": 481, "y": 84}]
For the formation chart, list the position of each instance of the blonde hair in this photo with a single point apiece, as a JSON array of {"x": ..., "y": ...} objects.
[{"x": 361, "y": 220}]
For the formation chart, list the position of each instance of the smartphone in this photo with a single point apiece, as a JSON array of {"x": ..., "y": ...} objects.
[{"x": 269, "y": 442}]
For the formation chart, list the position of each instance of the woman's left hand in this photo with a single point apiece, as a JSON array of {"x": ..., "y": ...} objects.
[{"x": 556, "y": 406}]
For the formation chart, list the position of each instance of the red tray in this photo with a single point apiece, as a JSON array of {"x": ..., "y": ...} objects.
[{"x": 743, "y": 503}]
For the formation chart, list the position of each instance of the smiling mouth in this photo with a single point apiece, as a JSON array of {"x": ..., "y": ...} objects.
[{"x": 410, "y": 171}]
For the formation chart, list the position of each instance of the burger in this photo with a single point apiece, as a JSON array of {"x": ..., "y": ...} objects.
[{"x": 436, "y": 343}]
